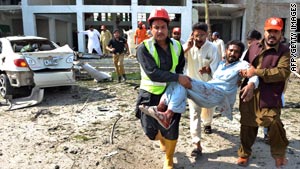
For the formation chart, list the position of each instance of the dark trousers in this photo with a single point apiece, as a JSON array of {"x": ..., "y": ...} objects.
[
  {"x": 277, "y": 135},
  {"x": 149, "y": 124}
]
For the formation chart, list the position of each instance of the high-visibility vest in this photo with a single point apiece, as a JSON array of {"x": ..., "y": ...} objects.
[{"x": 158, "y": 87}]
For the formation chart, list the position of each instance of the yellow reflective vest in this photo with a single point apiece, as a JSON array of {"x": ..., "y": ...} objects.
[{"x": 159, "y": 87}]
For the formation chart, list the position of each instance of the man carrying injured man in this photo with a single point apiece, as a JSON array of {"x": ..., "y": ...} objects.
[{"x": 220, "y": 91}]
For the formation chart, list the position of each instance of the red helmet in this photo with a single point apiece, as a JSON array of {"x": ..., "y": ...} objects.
[
  {"x": 159, "y": 13},
  {"x": 176, "y": 29},
  {"x": 140, "y": 23},
  {"x": 274, "y": 23}
]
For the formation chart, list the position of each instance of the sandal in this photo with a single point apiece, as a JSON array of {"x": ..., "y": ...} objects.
[
  {"x": 162, "y": 118},
  {"x": 196, "y": 152},
  {"x": 243, "y": 161},
  {"x": 281, "y": 162}
]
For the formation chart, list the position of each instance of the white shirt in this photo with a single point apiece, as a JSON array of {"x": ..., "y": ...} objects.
[
  {"x": 93, "y": 38},
  {"x": 221, "y": 47},
  {"x": 197, "y": 58}
]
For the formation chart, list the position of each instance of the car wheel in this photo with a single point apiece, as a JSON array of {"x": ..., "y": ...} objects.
[{"x": 5, "y": 88}]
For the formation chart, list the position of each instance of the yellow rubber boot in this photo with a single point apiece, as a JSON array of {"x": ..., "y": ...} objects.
[
  {"x": 162, "y": 143},
  {"x": 170, "y": 149}
]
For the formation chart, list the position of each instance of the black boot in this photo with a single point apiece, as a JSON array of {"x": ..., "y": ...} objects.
[
  {"x": 119, "y": 79},
  {"x": 124, "y": 77}
]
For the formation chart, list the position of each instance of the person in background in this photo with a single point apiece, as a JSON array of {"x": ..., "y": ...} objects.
[
  {"x": 202, "y": 61},
  {"x": 270, "y": 61},
  {"x": 176, "y": 34},
  {"x": 105, "y": 38},
  {"x": 149, "y": 34},
  {"x": 220, "y": 44},
  {"x": 140, "y": 34},
  {"x": 253, "y": 35},
  {"x": 93, "y": 40},
  {"x": 118, "y": 46},
  {"x": 161, "y": 60}
]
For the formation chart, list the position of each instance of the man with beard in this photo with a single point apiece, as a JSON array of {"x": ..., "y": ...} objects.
[
  {"x": 202, "y": 60},
  {"x": 220, "y": 91},
  {"x": 176, "y": 34},
  {"x": 270, "y": 61},
  {"x": 162, "y": 61}
]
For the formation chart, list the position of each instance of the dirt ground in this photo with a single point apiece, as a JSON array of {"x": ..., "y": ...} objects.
[{"x": 72, "y": 129}]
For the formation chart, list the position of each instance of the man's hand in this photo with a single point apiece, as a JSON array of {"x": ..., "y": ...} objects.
[
  {"x": 205, "y": 69},
  {"x": 247, "y": 92},
  {"x": 189, "y": 44},
  {"x": 190, "y": 41},
  {"x": 248, "y": 72},
  {"x": 185, "y": 81}
]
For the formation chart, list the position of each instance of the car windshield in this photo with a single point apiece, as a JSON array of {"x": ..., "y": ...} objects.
[{"x": 32, "y": 45}]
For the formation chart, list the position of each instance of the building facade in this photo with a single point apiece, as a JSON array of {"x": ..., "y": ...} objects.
[{"x": 59, "y": 20}]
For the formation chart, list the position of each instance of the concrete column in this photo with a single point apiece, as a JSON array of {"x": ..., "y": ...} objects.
[
  {"x": 233, "y": 29},
  {"x": 186, "y": 19},
  {"x": 78, "y": 2},
  {"x": 134, "y": 5},
  {"x": 29, "y": 23},
  {"x": 114, "y": 18},
  {"x": 52, "y": 29},
  {"x": 69, "y": 34},
  {"x": 244, "y": 28},
  {"x": 81, "y": 27}
]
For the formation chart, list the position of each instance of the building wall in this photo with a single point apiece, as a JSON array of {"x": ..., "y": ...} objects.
[
  {"x": 234, "y": 26},
  {"x": 257, "y": 11}
]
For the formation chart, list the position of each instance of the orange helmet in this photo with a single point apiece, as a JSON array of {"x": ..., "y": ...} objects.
[
  {"x": 159, "y": 13},
  {"x": 176, "y": 29},
  {"x": 273, "y": 23}
]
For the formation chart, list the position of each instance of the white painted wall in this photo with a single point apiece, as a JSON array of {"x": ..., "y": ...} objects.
[{"x": 30, "y": 11}]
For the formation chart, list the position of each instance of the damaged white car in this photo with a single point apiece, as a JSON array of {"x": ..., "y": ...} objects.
[{"x": 28, "y": 62}]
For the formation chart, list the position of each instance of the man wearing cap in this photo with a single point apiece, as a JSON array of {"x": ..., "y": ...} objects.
[
  {"x": 176, "y": 34},
  {"x": 140, "y": 34},
  {"x": 105, "y": 38},
  {"x": 271, "y": 63},
  {"x": 219, "y": 43},
  {"x": 118, "y": 46},
  {"x": 161, "y": 60},
  {"x": 255, "y": 35}
]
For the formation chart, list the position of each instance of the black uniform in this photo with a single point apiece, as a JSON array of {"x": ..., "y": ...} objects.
[
  {"x": 119, "y": 45},
  {"x": 158, "y": 74}
]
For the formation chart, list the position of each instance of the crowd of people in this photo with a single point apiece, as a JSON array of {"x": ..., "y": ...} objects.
[
  {"x": 205, "y": 75},
  {"x": 214, "y": 73}
]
